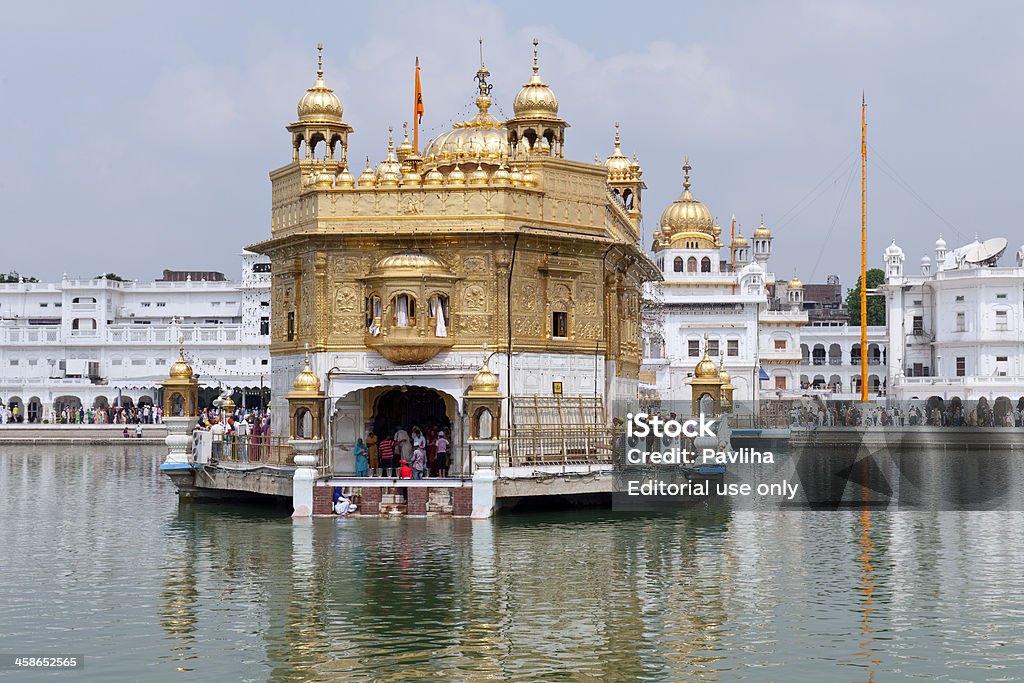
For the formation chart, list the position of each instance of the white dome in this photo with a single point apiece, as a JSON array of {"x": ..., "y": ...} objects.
[
  {"x": 893, "y": 250},
  {"x": 940, "y": 243}
]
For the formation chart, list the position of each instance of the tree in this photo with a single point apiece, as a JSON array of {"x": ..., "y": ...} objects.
[
  {"x": 110, "y": 276},
  {"x": 13, "y": 276},
  {"x": 876, "y": 304}
]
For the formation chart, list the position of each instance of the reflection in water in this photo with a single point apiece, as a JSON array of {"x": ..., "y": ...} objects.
[{"x": 151, "y": 588}]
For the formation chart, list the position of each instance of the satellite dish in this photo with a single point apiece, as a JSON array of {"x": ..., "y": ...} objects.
[{"x": 986, "y": 253}]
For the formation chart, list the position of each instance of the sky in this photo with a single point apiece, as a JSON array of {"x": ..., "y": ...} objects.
[{"x": 139, "y": 136}]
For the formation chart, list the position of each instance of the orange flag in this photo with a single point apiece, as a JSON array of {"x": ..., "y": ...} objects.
[{"x": 417, "y": 117}]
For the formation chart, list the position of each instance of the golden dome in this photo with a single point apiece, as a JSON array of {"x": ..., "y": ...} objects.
[
  {"x": 762, "y": 231},
  {"x": 687, "y": 214},
  {"x": 410, "y": 263},
  {"x": 411, "y": 177},
  {"x": 181, "y": 369},
  {"x": 456, "y": 176},
  {"x": 706, "y": 368},
  {"x": 324, "y": 177},
  {"x": 795, "y": 283},
  {"x": 405, "y": 149},
  {"x": 723, "y": 375},
  {"x": 390, "y": 170},
  {"x": 306, "y": 382},
  {"x": 618, "y": 164},
  {"x": 367, "y": 178},
  {"x": 501, "y": 177},
  {"x": 482, "y": 138},
  {"x": 536, "y": 99},
  {"x": 529, "y": 178},
  {"x": 319, "y": 104},
  {"x": 345, "y": 178},
  {"x": 485, "y": 381},
  {"x": 433, "y": 178},
  {"x": 516, "y": 176},
  {"x": 739, "y": 240},
  {"x": 478, "y": 176}
]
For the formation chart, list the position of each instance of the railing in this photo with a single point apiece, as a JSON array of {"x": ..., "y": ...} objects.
[
  {"x": 542, "y": 445},
  {"x": 252, "y": 448}
]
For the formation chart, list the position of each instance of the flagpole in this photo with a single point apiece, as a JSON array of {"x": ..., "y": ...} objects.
[
  {"x": 863, "y": 250},
  {"x": 416, "y": 110}
]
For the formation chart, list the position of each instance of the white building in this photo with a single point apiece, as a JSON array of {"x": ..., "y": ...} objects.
[
  {"x": 98, "y": 342},
  {"x": 830, "y": 359},
  {"x": 724, "y": 300},
  {"x": 956, "y": 330}
]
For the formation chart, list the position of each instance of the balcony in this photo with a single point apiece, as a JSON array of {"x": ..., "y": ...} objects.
[{"x": 408, "y": 345}]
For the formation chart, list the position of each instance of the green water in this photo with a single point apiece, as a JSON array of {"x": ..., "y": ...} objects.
[{"x": 97, "y": 558}]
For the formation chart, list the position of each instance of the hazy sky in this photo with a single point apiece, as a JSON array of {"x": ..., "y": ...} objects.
[{"x": 138, "y": 136}]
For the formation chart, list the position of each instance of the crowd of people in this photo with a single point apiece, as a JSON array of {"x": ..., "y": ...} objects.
[
  {"x": 144, "y": 414},
  {"x": 933, "y": 414},
  {"x": 404, "y": 454}
]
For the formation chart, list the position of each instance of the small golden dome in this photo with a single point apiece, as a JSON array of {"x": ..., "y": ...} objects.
[
  {"x": 181, "y": 369},
  {"x": 410, "y": 263},
  {"x": 411, "y": 177},
  {"x": 687, "y": 214},
  {"x": 390, "y": 170},
  {"x": 405, "y": 149},
  {"x": 529, "y": 178},
  {"x": 367, "y": 178},
  {"x": 306, "y": 381},
  {"x": 434, "y": 178},
  {"x": 723, "y": 375},
  {"x": 762, "y": 232},
  {"x": 345, "y": 179},
  {"x": 739, "y": 240},
  {"x": 456, "y": 176},
  {"x": 536, "y": 99},
  {"x": 634, "y": 166},
  {"x": 478, "y": 176},
  {"x": 319, "y": 104},
  {"x": 516, "y": 177},
  {"x": 485, "y": 381},
  {"x": 501, "y": 177},
  {"x": 324, "y": 177},
  {"x": 717, "y": 229},
  {"x": 706, "y": 368},
  {"x": 795, "y": 283},
  {"x": 618, "y": 164}
]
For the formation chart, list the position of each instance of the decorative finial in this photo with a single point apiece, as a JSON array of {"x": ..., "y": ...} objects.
[
  {"x": 535, "y": 44},
  {"x": 391, "y": 138},
  {"x": 319, "y": 60},
  {"x": 616, "y": 133},
  {"x": 405, "y": 128},
  {"x": 686, "y": 172},
  {"x": 481, "y": 52},
  {"x": 181, "y": 346},
  {"x": 762, "y": 218},
  {"x": 306, "y": 346}
]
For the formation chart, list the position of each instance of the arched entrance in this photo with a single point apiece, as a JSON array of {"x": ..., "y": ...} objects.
[{"x": 409, "y": 407}]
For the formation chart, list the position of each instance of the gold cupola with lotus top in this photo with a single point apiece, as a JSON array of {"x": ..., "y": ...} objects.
[
  {"x": 536, "y": 128},
  {"x": 320, "y": 120},
  {"x": 686, "y": 223}
]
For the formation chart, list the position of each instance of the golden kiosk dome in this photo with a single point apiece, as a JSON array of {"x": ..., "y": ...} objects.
[
  {"x": 409, "y": 263},
  {"x": 485, "y": 381},
  {"x": 535, "y": 99},
  {"x": 706, "y": 368},
  {"x": 762, "y": 232},
  {"x": 740, "y": 240},
  {"x": 795, "y": 283},
  {"x": 306, "y": 382},
  {"x": 181, "y": 369},
  {"x": 618, "y": 164},
  {"x": 688, "y": 217},
  {"x": 319, "y": 104}
]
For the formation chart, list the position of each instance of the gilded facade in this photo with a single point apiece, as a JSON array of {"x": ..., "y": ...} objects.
[{"x": 489, "y": 238}]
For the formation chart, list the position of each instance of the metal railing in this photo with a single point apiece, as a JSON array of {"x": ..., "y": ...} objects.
[
  {"x": 542, "y": 445},
  {"x": 255, "y": 449}
]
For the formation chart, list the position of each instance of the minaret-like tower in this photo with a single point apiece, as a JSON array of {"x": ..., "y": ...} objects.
[
  {"x": 624, "y": 178},
  {"x": 762, "y": 244},
  {"x": 536, "y": 129},
  {"x": 320, "y": 121}
]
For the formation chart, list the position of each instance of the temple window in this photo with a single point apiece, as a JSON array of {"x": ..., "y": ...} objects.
[
  {"x": 438, "y": 315},
  {"x": 560, "y": 324},
  {"x": 705, "y": 265},
  {"x": 404, "y": 307},
  {"x": 291, "y": 325},
  {"x": 691, "y": 264},
  {"x": 677, "y": 264},
  {"x": 373, "y": 311}
]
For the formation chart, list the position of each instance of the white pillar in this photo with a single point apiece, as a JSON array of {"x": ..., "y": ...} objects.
[
  {"x": 483, "y": 453},
  {"x": 179, "y": 442},
  {"x": 305, "y": 475}
]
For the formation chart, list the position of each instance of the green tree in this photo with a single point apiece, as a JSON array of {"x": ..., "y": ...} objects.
[
  {"x": 13, "y": 276},
  {"x": 876, "y": 304},
  {"x": 110, "y": 276}
]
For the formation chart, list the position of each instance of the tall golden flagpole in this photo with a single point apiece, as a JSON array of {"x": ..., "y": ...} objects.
[{"x": 863, "y": 249}]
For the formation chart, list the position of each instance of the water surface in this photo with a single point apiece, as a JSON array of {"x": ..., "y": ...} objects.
[{"x": 99, "y": 559}]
